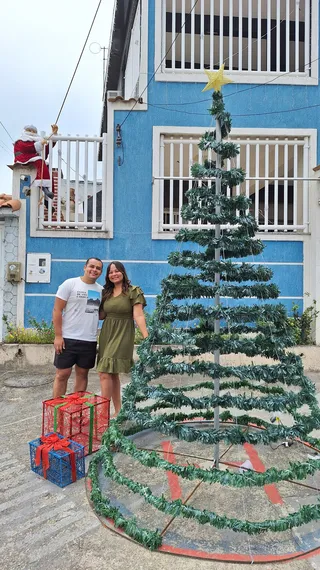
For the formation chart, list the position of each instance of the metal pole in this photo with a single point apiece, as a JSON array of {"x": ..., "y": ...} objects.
[{"x": 217, "y": 298}]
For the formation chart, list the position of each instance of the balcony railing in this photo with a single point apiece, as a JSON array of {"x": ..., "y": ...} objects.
[
  {"x": 251, "y": 36},
  {"x": 78, "y": 184},
  {"x": 277, "y": 179}
]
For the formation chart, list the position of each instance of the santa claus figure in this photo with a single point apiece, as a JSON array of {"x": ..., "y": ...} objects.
[{"x": 31, "y": 148}]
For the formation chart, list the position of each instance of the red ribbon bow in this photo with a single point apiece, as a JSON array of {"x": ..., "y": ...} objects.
[
  {"x": 54, "y": 442},
  {"x": 70, "y": 400}
]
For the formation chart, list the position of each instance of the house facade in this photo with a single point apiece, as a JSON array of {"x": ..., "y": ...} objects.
[{"x": 126, "y": 205}]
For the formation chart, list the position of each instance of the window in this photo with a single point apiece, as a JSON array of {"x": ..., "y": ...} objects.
[
  {"x": 277, "y": 167},
  {"x": 250, "y": 37}
]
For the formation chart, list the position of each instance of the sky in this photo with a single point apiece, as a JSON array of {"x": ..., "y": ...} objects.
[{"x": 40, "y": 44}]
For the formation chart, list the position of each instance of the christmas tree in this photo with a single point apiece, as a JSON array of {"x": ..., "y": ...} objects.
[{"x": 204, "y": 303}]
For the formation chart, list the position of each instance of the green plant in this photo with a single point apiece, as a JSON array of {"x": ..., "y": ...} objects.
[
  {"x": 302, "y": 323},
  {"x": 40, "y": 333}
]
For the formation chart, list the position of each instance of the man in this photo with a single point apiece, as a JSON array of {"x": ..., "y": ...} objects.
[{"x": 75, "y": 320}]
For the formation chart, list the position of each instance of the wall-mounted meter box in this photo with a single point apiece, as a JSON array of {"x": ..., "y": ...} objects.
[
  {"x": 14, "y": 271},
  {"x": 38, "y": 268}
]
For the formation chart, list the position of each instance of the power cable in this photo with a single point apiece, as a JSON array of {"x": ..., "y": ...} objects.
[
  {"x": 226, "y": 59},
  {"x": 238, "y": 115},
  {"x": 76, "y": 68},
  {"x": 6, "y": 131},
  {"x": 161, "y": 62}
]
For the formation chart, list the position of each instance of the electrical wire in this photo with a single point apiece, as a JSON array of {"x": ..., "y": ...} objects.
[
  {"x": 6, "y": 131},
  {"x": 239, "y": 114},
  {"x": 226, "y": 59},
  {"x": 161, "y": 62},
  {"x": 76, "y": 68}
]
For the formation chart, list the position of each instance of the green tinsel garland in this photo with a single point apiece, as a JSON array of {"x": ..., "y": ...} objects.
[
  {"x": 175, "y": 508},
  {"x": 269, "y": 337}
]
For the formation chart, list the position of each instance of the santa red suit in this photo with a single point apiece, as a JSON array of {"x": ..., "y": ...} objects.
[{"x": 30, "y": 148}]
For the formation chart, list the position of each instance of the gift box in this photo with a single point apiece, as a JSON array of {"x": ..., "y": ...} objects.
[
  {"x": 57, "y": 459},
  {"x": 82, "y": 417}
]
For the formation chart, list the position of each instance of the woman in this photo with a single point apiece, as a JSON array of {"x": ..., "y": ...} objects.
[{"x": 121, "y": 305}]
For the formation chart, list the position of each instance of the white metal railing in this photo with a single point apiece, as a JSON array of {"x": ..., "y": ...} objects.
[
  {"x": 78, "y": 184},
  {"x": 277, "y": 170},
  {"x": 266, "y": 36}
]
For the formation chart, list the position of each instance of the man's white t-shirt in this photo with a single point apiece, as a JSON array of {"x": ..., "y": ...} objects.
[{"x": 80, "y": 317}]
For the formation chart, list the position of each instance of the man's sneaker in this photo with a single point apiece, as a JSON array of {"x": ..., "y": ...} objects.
[{"x": 47, "y": 192}]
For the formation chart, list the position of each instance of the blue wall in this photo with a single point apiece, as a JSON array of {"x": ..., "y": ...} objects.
[{"x": 133, "y": 186}]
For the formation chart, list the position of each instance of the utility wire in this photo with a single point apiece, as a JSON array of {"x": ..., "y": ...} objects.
[
  {"x": 161, "y": 62},
  {"x": 241, "y": 114},
  {"x": 5, "y": 150},
  {"x": 5, "y": 145},
  {"x": 6, "y": 131},
  {"x": 226, "y": 59},
  {"x": 76, "y": 68}
]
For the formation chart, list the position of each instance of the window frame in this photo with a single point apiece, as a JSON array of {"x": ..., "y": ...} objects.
[
  {"x": 236, "y": 132},
  {"x": 198, "y": 76}
]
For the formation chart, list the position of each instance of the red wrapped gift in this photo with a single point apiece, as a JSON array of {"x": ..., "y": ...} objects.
[{"x": 82, "y": 417}]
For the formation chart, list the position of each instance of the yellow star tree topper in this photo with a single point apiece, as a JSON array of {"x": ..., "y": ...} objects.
[{"x": 216, "y": 79}]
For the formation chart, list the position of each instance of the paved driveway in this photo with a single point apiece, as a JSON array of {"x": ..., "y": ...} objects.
[{"x": 44, "y": 527}]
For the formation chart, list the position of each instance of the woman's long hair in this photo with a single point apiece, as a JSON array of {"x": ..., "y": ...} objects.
[{"x": 108, "y": 286}]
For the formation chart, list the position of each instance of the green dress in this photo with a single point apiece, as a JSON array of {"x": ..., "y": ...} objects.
[{"x": 116, "y": 339}]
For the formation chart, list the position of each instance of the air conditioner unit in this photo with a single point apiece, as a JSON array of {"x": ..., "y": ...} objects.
[{"x": 113, "y": 94}]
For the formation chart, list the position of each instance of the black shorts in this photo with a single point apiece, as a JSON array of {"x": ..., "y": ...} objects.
[{"x": 80, "y": 352}]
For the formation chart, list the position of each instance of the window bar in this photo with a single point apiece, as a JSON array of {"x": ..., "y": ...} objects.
[
  {"x": 296, "y": 39},
  {"x": 58, "y": 195},
  {"x": 211, "y": 34},
  {"x": 266, "y": 186},
  {"x": 278, "y": 38},
  {"x": 276, "y": 186},
  {"x": 67, "y": 192},
  {"x": 221, "y": 34},
  {"x": 180, "y": 181},
  {"x": 248, "y": 148},
  {"x": 228, "y": 189},
  {"x": 190, "y": 164},
  {"x": 269, "y": 35},
  {"x": 202, "y": 35},
  {"x": 183, "y": 34},
  {"x": 104, "y": 180},
  {"x": 49, "y": 202},
  {"x": 249, "y": 35},
  {"x": 285, "y": 185},
  {"x": 94, "y": 182},
  {"x": 306, "y": 185},
  {"x": 164, "y": 35},
  {"x": 259, "y": 37},
  {"x": 200, "y": 182},
  {"x": 161, "y": 184},
  {"x": 76, "y": 194},
  {"x": 287, "y": 36},
  {"x": 240, "y": 37},
  {"x": 230, "y": 35},
  {"x": 307, "y": 64},
  {"x": 295, "y": 185},
  {"x": 86, "y": 175},
  {"x": 209, "y": 182},
  {"x": 171, "y": 183},
  {"x": 192, "y": 34},
  {"x": 256, "y": 191},
  {"x": 238, "y": 164},
  {"x": 173, "y": 35}
]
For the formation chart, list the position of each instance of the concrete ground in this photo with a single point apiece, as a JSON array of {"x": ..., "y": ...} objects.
[{"x": 43, "y": 526}]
